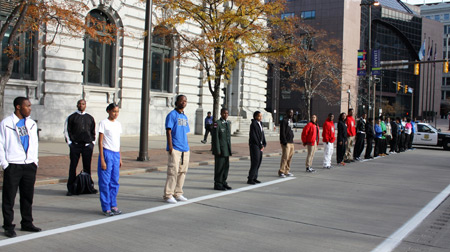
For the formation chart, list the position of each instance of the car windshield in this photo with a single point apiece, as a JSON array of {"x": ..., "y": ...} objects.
[{"x": 432, "y": 128}]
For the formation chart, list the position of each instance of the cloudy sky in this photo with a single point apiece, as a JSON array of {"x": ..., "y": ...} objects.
[{"x": 423, "y": 1}]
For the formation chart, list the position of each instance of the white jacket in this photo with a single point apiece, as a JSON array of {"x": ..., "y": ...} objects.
[{"x": 11, "y": 148}]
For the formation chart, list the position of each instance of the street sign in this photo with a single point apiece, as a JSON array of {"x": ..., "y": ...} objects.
[{"x": 376, "y": 62}]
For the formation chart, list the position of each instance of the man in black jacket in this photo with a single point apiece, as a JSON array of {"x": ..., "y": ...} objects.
[
  {"x": 257, "y": 142},
  {"x": 394, "y": 140},
  {"x": 79, "y": 131},
  {"x": 370, "y": 134},
  {"x": 287, "y": 144},
  {"x": 360, "y": 135}
]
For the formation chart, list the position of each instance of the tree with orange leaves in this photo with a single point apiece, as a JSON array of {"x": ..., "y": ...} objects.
[
  {"x": 314, "y": 67},
  {"x": 230, "y": 30},
  {"x": 55, "y": 16}
]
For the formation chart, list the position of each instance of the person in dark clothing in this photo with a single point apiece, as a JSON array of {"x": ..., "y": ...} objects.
[
  {"x": 394, "y": 140},
  {"x": 341, "y": 139},
  {"x": 369, "y": 137},
  {"x": 401, "y": 137},
  {"x": 79, "y": 131},
  {"x": 360, "y": 135},
  {"x": 208, "y": 125},
  {"x": 221, "y": 148},
  {"x": 287, "y": 144},
  {"x": 257, "y": 143}
]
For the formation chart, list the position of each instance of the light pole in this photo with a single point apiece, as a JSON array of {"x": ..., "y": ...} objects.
[
  {"x": 370, "y": 3},
  {"x": 349, "y": 98},
  {"x": 146, "y": 79}
]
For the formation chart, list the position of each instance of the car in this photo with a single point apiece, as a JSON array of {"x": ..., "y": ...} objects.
[
  {"x": 428, "y": 135},
  {"x": 300, "y": 124}
]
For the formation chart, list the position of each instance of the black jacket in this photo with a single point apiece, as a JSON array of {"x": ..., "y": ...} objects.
[
  {"x": 81, "y": 128},
  {"x": 342, "y": 132},
  {"x": 394, "y": 129},
  {"x": 369, "y": 131},
  {"x": 256, "y": 135},
  {"x": 360, "y": 126},
  {"x": 286, "y": 133}
]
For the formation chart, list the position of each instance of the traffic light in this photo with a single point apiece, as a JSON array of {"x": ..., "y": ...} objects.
[
  {"x": 416, "y": 69},
  {"x": 445, "y": 66},
  {"x": 406, "y": 89},
  {"x": 399, "y": 85}
]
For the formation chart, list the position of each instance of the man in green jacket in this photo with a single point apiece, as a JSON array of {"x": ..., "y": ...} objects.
[{"x": 221, "y": 148}]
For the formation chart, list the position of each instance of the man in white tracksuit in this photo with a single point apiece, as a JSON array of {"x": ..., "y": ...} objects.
[
  {"x": 329, "y": 137},
  {"x": 19, "y": 159}
]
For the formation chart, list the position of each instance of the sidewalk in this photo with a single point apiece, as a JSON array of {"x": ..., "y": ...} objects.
[{"x": 54, "y": 156}]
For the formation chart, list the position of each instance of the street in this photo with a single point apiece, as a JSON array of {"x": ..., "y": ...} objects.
[{"x": 351, "y": 208}]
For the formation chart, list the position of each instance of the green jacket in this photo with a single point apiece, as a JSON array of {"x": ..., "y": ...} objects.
[
  {"x": 221, "y": 138},
  {"x": 383, "y": 128}
]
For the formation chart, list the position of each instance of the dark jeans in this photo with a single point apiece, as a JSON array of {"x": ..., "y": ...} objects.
[
  {"x": 207, "y": 131},
  {"x": 368, "y": 148},
  {"x": 340, "y": 152},
  {"x": 255, "y": 162},
  {"x": 359, "y": 145},
  {"x": 75, "y": 151},
  {"x": 378, "y": 145},
  {"x": 22, "y": 177},
  {"x": 394, "y": 144},
  {"x": 411, "y": 138},
  {"x": 407, "y": 141}
]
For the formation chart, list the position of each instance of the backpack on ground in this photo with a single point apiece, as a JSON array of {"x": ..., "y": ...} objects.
[{"x": 84, "y": 184}]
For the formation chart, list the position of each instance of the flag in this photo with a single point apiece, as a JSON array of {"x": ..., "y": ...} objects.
[
  {"x": 431, "y": 53},
  {"x": 422, "y": 51},
  {"x": 435, "y": 51}
]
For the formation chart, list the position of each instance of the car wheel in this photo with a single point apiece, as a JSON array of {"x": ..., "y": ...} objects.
[{"x": 446, "y": 145}]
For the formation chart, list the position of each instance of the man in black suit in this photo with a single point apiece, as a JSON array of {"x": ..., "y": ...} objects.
[{"x": 257, "y": 142}]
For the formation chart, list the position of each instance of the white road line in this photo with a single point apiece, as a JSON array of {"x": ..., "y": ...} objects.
[
  {"x": 134, "y": 214},
  {"x": 396, "y": 238}
]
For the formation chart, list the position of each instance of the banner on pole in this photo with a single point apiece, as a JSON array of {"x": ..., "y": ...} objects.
[
  {"x": 362, "y": 63},
  {"x": 376, "y": 62}
]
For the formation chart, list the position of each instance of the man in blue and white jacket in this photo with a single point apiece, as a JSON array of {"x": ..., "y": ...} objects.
[{"x": 19, "y": 160}]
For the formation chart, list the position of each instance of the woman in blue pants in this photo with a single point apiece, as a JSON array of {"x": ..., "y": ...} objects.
[{"x": 109, "y": 160}]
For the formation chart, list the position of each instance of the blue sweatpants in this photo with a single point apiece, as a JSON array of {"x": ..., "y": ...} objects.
[{"x": 108, "y": 180}]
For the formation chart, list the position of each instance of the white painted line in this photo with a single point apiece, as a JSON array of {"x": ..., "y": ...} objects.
[
  {"x": 396, "y": 238},
  {"x": 134, "y": 214}
]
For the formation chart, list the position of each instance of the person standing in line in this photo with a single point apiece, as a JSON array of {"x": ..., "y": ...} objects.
[
  {"x": 408, "y": 131},
  {"x": 394, "y": 140},
  {"x": 413, "y": 131},
  {"x": 388, "y": 134},
  {"x": 383, "y": 144},
  {"x": 19, "y": 161},
  {"x": 404, "y": 144},
  {"x": 208, "y": 125},
  {"x": 378, "y": 137},
  {"x": 109, "y": 160},
  {"x": 79, "y": 132},
  {"x": 221, "y": 148},
  {"x": 360, "y": 136},
  {"x": 329, "y": 136},
  {"x": 369, "y": 137},
  {"x": 351, "y": 132},
  {"x": 257, "y": 143},
  {"x": 177, "y": 128},
  {"x": 287, "y": 144},
  {"x": 310, "y": 138},
  {"x": 341, "y": 139}
]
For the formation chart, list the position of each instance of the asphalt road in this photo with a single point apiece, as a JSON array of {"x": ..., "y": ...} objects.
[{"x": 352, "y": 208}]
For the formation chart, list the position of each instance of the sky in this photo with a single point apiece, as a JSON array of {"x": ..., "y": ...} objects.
[{"x": 422, "y": 1}]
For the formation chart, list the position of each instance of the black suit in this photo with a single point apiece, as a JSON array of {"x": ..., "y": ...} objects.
[
  {"x": 341, "y": 138},
  {"x": 256, "y": 142},
  {"x": 369, "y": 136},
  {"x": 360, "y": 135}
]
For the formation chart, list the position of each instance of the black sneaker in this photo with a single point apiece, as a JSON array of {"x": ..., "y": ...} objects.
[
  {"x": 10, "y": 233},
  {"x": 309, "y": 169}
]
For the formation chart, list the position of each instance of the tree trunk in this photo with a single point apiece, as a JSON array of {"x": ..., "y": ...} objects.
[{"x": 216, "y": 99}]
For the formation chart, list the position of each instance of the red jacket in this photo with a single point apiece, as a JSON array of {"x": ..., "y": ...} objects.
[
  {"x": 328, "y": 133},
  {"x": 310, "y": 134},
  {"x": 351, "y": 126}
]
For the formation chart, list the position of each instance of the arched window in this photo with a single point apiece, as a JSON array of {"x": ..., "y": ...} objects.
[
  {"x": 161, "y": 54},
  {"x": 99, "y": 59}
]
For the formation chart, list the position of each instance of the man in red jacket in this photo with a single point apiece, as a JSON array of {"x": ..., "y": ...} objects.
[
  {"x": 329, "y": 137},
  {"x": 310, "y": 138},
  {"x": 351, "y": 132}
]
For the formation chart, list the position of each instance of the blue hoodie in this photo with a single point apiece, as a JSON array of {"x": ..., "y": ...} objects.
[{"x": 378, "y": 131}]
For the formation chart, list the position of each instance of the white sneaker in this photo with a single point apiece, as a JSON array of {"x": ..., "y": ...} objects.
[
  {"x": 289, "y": 175},
  {"x": 171, "y": 200},
  {"x": 181, "y": 198},
  {"x": 282, "y": 175}
]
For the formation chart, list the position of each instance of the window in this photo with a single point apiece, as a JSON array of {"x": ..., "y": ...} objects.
[
  {"x": 26, "y": 66},
  {"x": 437, "y": 17},
  {"x": 443, "y": 95},
  {"x": 447, "y": 16},
  {"x": 287, "y": 15},
  {"x": 308, "y": 14},
  {"x": 99, "y": 62},
  {"x": 161, "y": 54}
]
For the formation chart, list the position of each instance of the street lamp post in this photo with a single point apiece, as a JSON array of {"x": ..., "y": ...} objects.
[
  {"x": 370, "y": 3},
  {"x": 349, "y": 98},
  {"x": 146, "y": 79}
]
